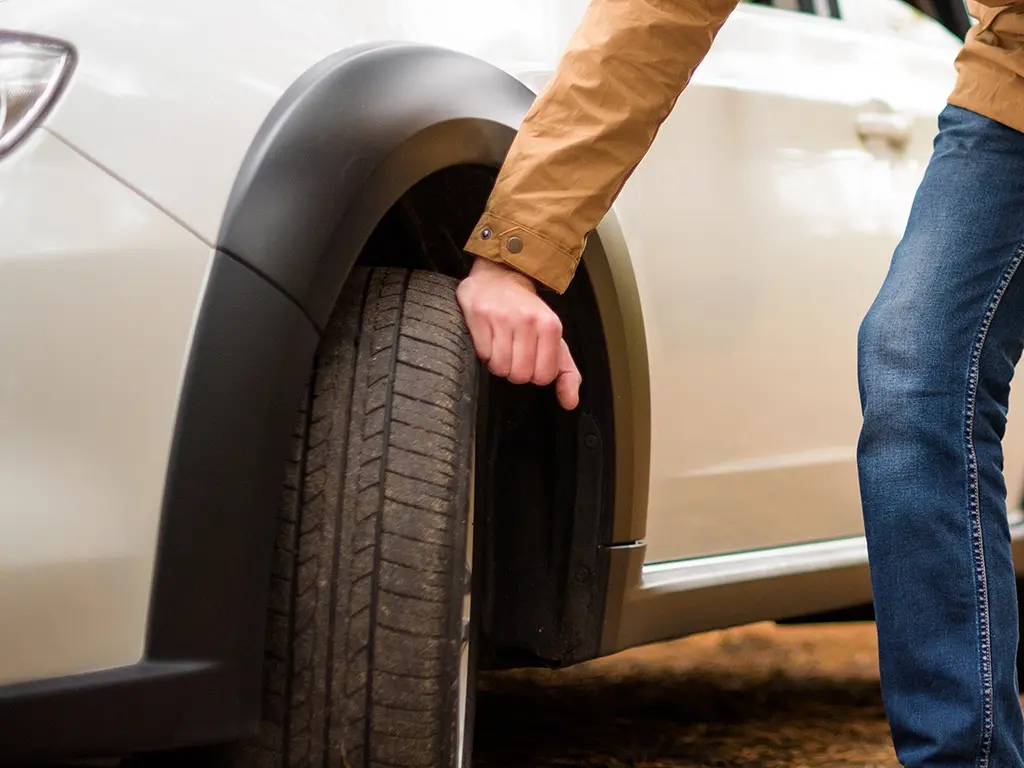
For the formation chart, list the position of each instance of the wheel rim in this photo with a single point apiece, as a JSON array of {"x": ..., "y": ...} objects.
[{"x": 467, "y": 615}]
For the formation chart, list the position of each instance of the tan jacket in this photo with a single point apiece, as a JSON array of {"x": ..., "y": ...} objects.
[{"x": 624, "y": 68}]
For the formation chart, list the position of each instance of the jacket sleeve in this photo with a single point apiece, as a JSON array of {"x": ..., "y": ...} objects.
[{"x": 618, "y": 80}]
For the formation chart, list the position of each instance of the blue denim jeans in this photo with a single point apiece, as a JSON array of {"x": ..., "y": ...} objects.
[{"x": 937, "y": 351}]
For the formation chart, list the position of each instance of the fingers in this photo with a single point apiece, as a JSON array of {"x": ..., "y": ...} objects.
[
  {"x": 500, "y": 362},
  {"x": 567, "y": 385},
  {"x": 524, "y": 351},
  {"x": 516, "y": 333},
  {"x": 549, "y": 340},
  {"x": 483, "y": 338},
  {"x": 478, "y": 324}
]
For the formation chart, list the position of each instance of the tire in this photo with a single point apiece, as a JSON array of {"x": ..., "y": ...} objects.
[{"x": 368, "y": 650}]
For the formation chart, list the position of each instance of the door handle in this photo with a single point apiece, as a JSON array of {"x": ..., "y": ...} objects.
[{"x": 878, "y": 123}]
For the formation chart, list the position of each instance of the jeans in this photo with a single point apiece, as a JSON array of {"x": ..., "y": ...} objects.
[{"x": 937, "y": 351}]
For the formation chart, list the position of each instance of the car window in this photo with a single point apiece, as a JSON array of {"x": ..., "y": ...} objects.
[
  {"x": 816, "y": 7},
  {"x": 952, "y": 14}
]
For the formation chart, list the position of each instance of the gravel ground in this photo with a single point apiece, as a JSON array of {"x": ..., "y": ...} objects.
[{"x": 759, "y": 697}]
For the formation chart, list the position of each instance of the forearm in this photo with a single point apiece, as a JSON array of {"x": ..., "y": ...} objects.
[{"x": 616, "y": 83}]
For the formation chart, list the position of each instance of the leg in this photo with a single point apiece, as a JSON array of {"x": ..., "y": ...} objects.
[{"x": 937, "y": 352}]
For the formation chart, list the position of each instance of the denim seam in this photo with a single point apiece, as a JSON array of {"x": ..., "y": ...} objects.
[{"x": 974, "y": 509}]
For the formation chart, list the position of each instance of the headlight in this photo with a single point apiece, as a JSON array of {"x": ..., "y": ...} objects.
[{"x": 32, "y": 71}]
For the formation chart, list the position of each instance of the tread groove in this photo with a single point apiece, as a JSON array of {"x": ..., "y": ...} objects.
[
  {"x": 413, "y": 505},
  {"x": 417, "y": 452},
  {"x": 422, "y": 480},
  {"x": 423, "y": 369},
  {"x": 420, "y": 598},
  {"x": 389, "y": 402},
  {"x": 421, "y": 429},
  {"x": 289, "y": 686},
  {"x": 449, "y": 334},
  {"x": 423, "y": 401},
  {"x": 397, "y": 564},
  {"x": 406, "y": 537},
  {"x": 336, "y": 561},
  {"x": 409, "y": 632},
  {"x": 399, "y": 708}
]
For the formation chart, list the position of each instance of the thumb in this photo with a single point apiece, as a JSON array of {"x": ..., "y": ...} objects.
[{"x": 567, "y": 384}]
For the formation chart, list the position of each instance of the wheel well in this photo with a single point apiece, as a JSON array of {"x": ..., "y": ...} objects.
[{"x": 547, "y": 484}]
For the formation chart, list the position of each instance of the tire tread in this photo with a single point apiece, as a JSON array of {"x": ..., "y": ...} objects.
[{"x": 366, "y": 584}]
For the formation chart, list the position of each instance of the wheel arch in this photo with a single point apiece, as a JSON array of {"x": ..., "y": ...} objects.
[
  {"x": 341, "y": 170},
  {"x": 344, "y": 170}
]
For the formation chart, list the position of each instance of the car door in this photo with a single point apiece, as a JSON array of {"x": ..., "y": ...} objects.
[{"x": 760, "y": 226}]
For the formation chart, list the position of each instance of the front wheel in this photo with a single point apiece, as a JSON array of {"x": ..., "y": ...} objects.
[{"x": 369, "y": 659}]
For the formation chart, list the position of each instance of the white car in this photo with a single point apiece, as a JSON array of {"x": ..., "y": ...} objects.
[{"x": 229, "y": 237}]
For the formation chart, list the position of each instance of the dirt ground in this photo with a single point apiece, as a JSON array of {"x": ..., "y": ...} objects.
[{"x": 758, "y": 697}]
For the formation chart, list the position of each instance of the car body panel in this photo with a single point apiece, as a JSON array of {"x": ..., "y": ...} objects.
[{"x": 96, "y": 313}]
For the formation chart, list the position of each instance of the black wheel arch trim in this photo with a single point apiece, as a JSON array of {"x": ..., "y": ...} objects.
[{"x": 331, "y": 158}]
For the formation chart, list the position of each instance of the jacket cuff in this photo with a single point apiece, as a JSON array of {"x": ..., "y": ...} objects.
[{"x": 513, "y": 245}]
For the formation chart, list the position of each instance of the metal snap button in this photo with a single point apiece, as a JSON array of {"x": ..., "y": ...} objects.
[
  {"x": 485, "y": 233},
  {"x": 514, "y": 244}
]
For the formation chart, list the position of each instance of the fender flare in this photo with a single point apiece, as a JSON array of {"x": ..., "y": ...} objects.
[
  {"x": 349, "y": 138},
  {"x": 341, "y": 146}
]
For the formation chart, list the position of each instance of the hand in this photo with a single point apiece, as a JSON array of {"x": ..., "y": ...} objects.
[{"x": 515, "y": 332}]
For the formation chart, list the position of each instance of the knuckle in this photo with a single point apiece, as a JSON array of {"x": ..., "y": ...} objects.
[{"x": 551, "y": 324}]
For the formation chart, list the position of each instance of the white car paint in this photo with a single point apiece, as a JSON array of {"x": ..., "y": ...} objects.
[
  {"x": 98, "y": 291},
  {"x": 759, "y": 228}
]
